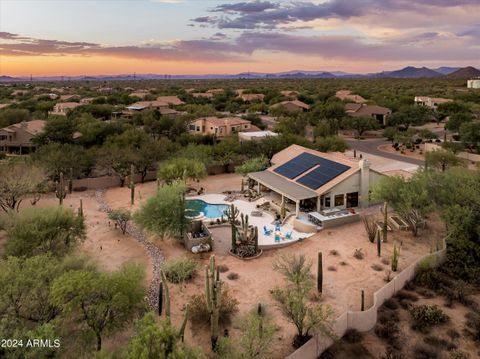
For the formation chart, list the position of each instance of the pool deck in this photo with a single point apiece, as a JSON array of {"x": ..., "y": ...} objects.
[{"x": 267, "y": 220}]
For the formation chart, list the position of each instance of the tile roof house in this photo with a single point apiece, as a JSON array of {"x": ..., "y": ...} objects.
[
  {"x": 220, "y": 127},
  {"x": 430, "y": 102},
  {"x": 142, "y": 105},
  {"x": 62, "y": 108},
  {"x": 250, "y": 97},
  {"x": 17, "y": 138},
  {"x": 203, "y": 94},
  {"x": 361, "y": 110},
  {"x": 317, "y": 179},
  {"x": 347, "y": 95},
  {"x": 171, "y": 100},
  {"x": 290, "y": 94},
  {"x": 294, "y": 105}
]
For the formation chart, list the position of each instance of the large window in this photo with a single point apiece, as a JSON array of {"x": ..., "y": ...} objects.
[
  {"x": 327, "y": 202},
  {"x": 339, "y": 200}
]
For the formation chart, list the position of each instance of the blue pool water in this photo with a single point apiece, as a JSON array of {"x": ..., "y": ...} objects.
[{"x": 195, "y": 206}]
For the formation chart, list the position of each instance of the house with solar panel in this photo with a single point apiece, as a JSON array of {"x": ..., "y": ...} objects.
[{"x": 309, "y": 181}]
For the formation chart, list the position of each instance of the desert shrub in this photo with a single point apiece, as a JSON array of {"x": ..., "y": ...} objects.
[
  {"x": 353, "y": 336},
  {"x": 180, "y": 270},
  {"x": 404, "y": 295},
  {"x": 426, "y": 316},
  {"x": 453, "y": 334},
  {"x": 359, "y": 253},
  {"x": 332, "y": 268},
  {"x": 425, "y": 351},
  {"x": 386, "y": 261},
  {"x": 343, "y": 263},
  {"x": 427, "y": 275},
  {"x": 458, "y": 354},
  {"x": 377, "y": 267},
  {"x": 472, "y": 326},
  {"x": 222, "y": 268},
  {"x": 426, "y": 293},
  {"x": 457, "y": 292},
  {"x": 391, "y": 304},
  {"x": 388, "y": 330},
  {"x": 198, "y": 311},
  {"x": 233, "y": 276},
  {"x": 334, "y": 252},
  {"x": 79, "y": 189},
  {"x": 439, "y": 342},
  {"x": 391, "y": 353}
]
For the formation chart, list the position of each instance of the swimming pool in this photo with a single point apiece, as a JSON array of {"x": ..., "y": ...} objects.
[{"x": 197, "y": 207}]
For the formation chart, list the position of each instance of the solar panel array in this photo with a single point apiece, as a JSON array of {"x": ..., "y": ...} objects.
[
  {"x": 326, "y": 171},
  {"x": 298, "y": 165}
]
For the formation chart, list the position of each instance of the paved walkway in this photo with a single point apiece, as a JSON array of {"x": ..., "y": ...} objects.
[{"x": 371, "y": 146}]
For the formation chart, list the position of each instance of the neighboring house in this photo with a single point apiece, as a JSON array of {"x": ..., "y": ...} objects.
[
  {"x": 86, "y": 100},
  {"x": 269, "y": 121},
  {"x": 317, "y": 180},
  {"x": 140, "y": 93},
  {"x": 215, "y": 91},
  {"x": 347, "y": 95},
  {"x": 203, "y": 94},
  {"x": 294, "y": 105},
  {"x": 220, "y": 127},
  {"x": 17, "y": 138},
  {"x": 290, "y": 94},
  {"x": 62, "y": 108},
  {"x": 430, "y": 102},
  {"x": 171, "y": 100},
  {"x": 142, "y": 105},
  {"x": 361, "y": 110},
  {"x": 251, "y": 97},
  {"x": 473, "y": 83},
  {"x": 67, "y": 98},
  {"x": 255, "y": 135}
]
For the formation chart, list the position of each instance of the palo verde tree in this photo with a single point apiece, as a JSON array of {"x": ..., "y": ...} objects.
[
  {"x": 360, "y": 124},
  {"x": 181, "y": 169},
  {"x": 164, "y": 213},
  {"x": 51, "y": 230},
  {"x": 121, "y": 218},
  {"x": 102, "y": 302},
  {"x": 442, "y": 160},
  {"x": 17, "y": 181},
  {"x": 293, "y": 300}
]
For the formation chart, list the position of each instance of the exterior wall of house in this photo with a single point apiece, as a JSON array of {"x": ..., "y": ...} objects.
[
  {"x": 205, "y": 127},
  {"x": 473, "y": 84},
  {"x": 349, "y": 185},
  {"x": 15, "y": 141}
]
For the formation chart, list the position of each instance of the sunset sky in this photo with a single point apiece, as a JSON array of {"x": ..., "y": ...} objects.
[{"x": 200, "y": 37}]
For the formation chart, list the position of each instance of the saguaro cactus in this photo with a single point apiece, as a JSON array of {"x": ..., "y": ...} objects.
[
  {"x": 166, "y": 295},
  {"x": 363, "y": 300},
  {"x": 164, "y": 298},
  {"x": 395, "y": 258},
  {"x": 379, "y": 244},
  {"x": 132, "y": 185},
  {"x": 232, "y": 214},
  {"x": 70, "y": 181},
  {"x": 213, "y": 289},
  {"x": 80, "y": 209},
  {"x": 385, "y": 222},
  {"x": 320, "y": 273},
  {"x": 60, "y": 190}
]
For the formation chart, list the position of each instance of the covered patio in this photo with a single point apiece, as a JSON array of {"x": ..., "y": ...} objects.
[{"x": 285, "y": 188}]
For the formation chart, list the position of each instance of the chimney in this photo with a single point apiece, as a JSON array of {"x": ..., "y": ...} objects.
[{"x": 364, "y": 165}]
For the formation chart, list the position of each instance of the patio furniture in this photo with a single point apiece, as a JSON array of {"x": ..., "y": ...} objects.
[
  {"x": 277, "y": 236},
  {"x": 256, "y": 214},
  {"x": 266, "y": 231},
  {"x": 277, "y": 226},
  {"x": 288, "y": 235}
]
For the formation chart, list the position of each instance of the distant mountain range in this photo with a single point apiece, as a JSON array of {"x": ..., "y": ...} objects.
[{"x": 407, "y": 72}]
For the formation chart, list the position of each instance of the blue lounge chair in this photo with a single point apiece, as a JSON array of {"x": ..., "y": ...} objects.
[
  {"x": 288, "y": 235},
  {"x": 277, "y": 225},
  {"x": 277, "y": 237},
  {"x": 266, "y": 231}
]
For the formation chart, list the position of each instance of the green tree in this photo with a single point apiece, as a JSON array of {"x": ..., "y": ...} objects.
[
  {"x": 408, "y": 116},
  {"x": 442, "y": 159},
  {"x": 51, "y": 230},
  {"x": 253, "y": 165},
  {"x": 103, "y": 302},
  {"x": 121, "y": 218},
  {"x": 164, "y": 213},
  {"x": 17, "y": 181},
  {"x": 10, "y": 116},
  {"x": 331, "y": 144},
  {"x": 294, "y": 303},
  {"x": 117, "y": 159},
  {"x": 360, "y": 124},
  {"x": 457, "y": 119},
  {"x": 57, "y": 129},
  {"x": 181, "y": 169},
  {"x": 158, "y": 341},
  {"x": 470, "y": 135},
  {"x": 255, "y": 340},
  {"x": 63, "y": 157}
]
